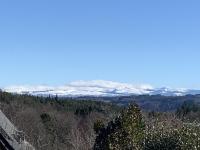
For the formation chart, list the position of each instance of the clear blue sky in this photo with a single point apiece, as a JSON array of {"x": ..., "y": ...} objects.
[{"x": 136, "y": 41}]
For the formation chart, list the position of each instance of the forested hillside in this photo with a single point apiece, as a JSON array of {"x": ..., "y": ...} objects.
[
  {"x": 105, "y": 123},
  {"x": 52, "y": 123},
  {"x": 149, "y": 102}
]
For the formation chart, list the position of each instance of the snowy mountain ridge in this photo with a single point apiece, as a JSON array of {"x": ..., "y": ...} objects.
[{"x": 98, "y": 88}]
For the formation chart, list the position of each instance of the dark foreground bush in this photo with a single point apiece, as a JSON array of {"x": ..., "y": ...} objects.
[{"x": 124, "y": 133}]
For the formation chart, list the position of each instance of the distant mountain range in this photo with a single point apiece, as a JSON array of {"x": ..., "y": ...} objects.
[{"x": 98, "y": 88}]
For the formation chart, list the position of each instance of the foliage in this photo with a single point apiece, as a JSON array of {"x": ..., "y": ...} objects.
[
  {"x": 124, "y": 132},
  {"x": 186, "y": 109},
  {"x": 71, "y": 123},
  {"x": 56, "y": 123},
  {"x": 98, "y": 126},
  {"x": 163, "y": 138},
  {"x": 162, "y": 132},
  {"x": 45, "y": 117},
  {"x": 162, "y": 141}
]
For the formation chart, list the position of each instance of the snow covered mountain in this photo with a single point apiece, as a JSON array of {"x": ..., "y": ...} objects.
[{"x": 97, "y": 88}]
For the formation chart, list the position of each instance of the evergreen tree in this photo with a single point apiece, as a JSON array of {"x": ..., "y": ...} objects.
[{"x": 126, "y": 132}]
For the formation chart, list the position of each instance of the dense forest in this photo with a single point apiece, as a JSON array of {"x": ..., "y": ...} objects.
[
  {"x": 157, "y": 103},
  {"x": 82, "y": 123},
  {"x": 52, "y": 123}
]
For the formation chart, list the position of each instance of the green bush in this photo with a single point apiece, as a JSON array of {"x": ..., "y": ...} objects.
[
  {"x": 162, "y": 140},
  {"x": 125, "y": 132},
  {"x": 45, "y": 117},
  {"x": 98, "y": 125},
  {"x": 183, "y": 138}
]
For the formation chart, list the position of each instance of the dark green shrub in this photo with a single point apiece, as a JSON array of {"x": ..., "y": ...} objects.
[
  {"x": 125, "y": 132},
  {"x": 45, "y": 117},
  {"x": 98, "y": 125},
  {"x": 162, "y": 141}
]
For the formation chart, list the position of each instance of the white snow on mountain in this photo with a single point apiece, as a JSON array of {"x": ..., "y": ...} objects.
[{"x": 97, "y": 88}]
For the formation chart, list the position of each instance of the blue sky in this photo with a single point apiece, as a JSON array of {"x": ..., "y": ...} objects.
[{"x": 136, "y": 41}]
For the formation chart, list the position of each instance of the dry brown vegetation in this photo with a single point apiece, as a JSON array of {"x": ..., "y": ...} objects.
[
  {"x": 55, "y": 125},
  {"x": 59, "y": 124}
]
